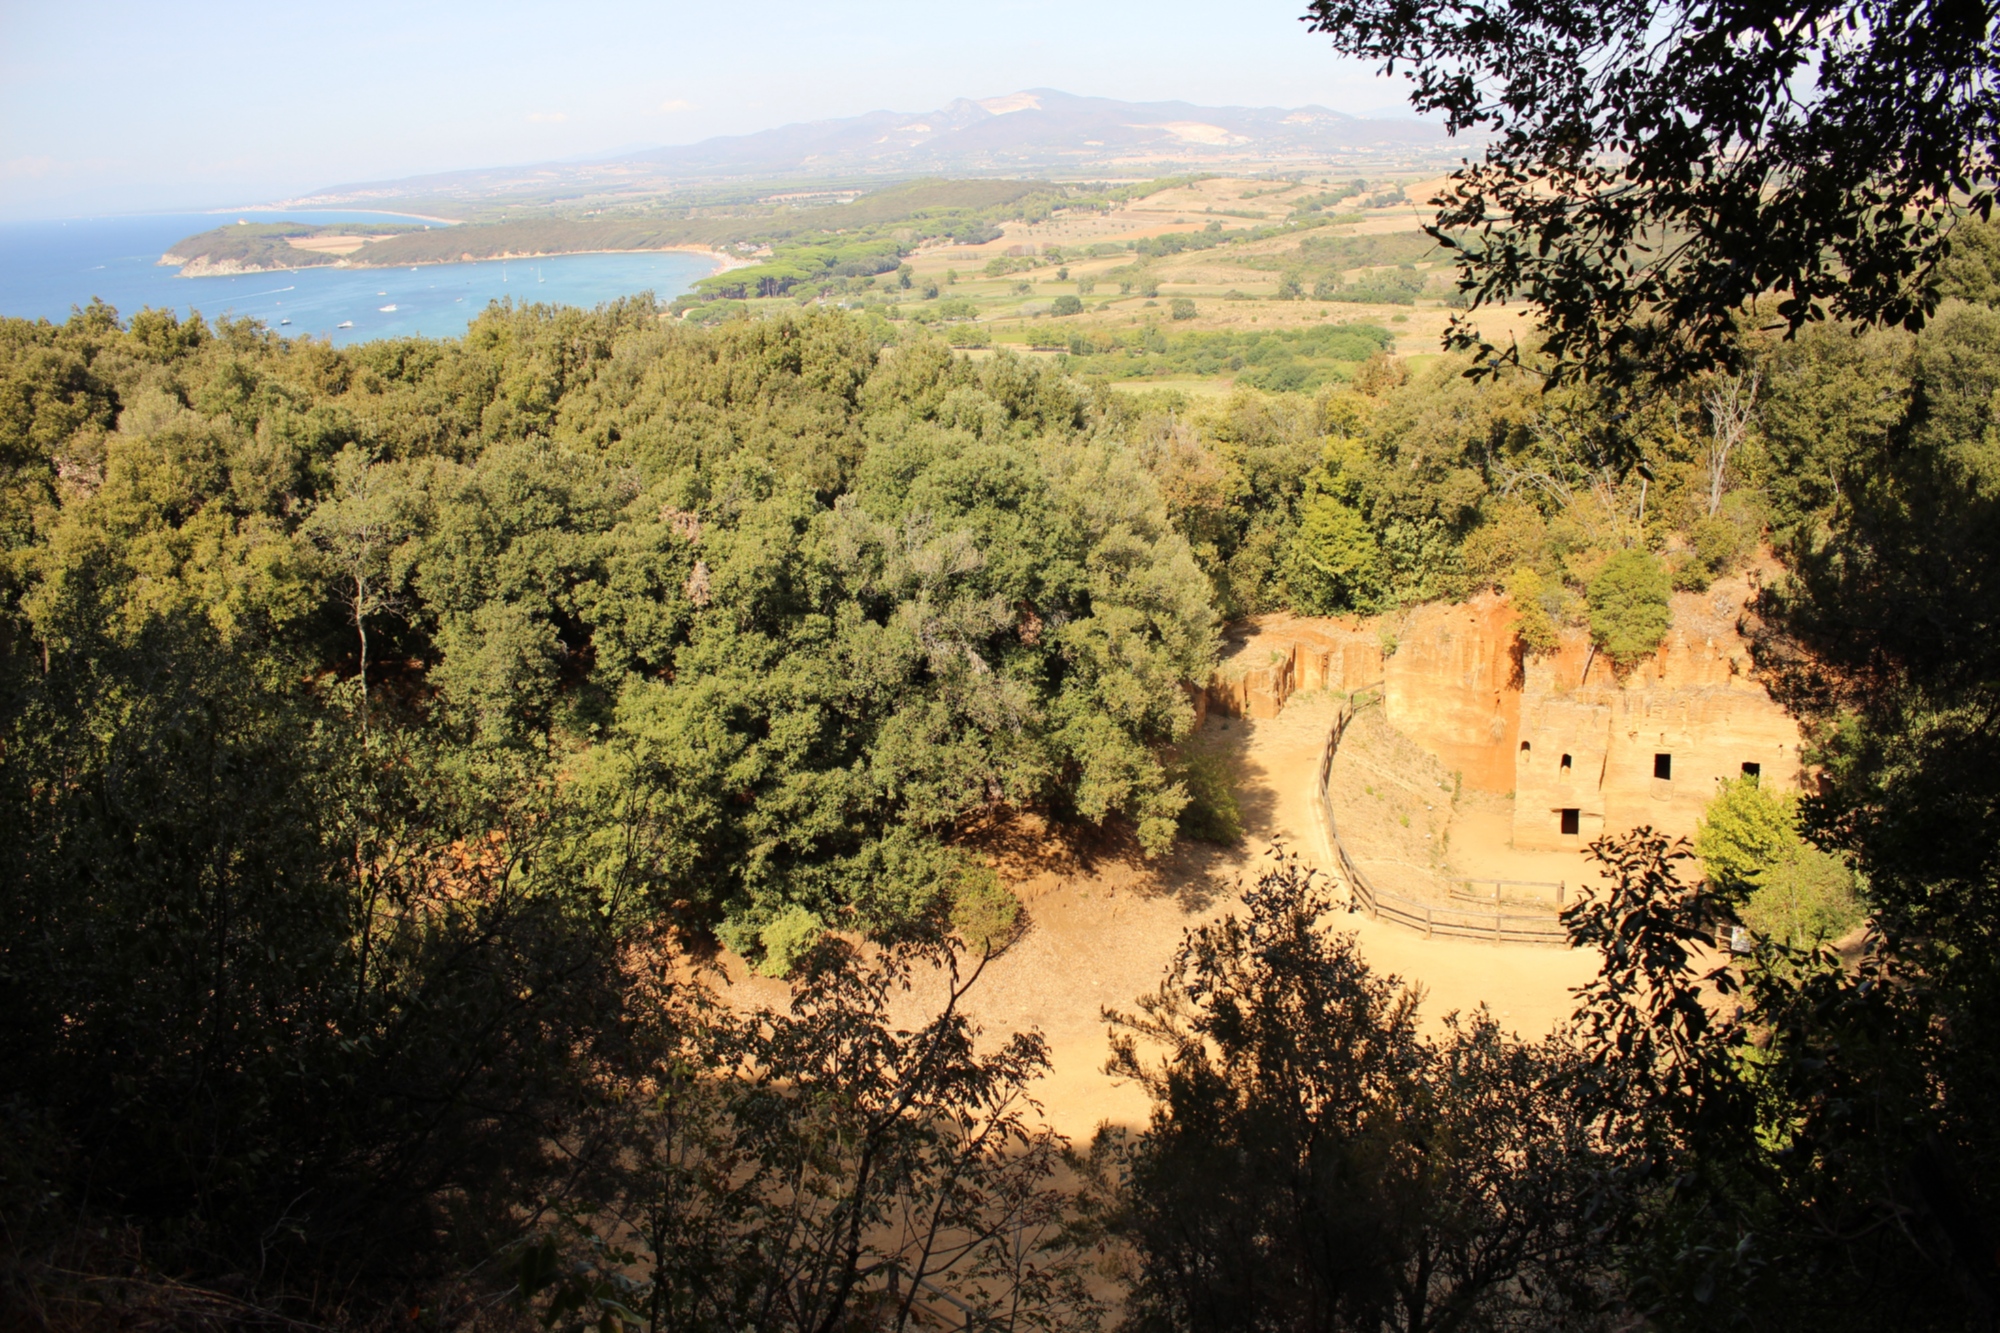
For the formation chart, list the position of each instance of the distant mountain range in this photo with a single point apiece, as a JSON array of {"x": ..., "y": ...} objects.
[{"x": 1038, "y": 132}]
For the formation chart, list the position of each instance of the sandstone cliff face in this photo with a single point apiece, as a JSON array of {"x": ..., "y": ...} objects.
[
  {"x": 1271, "y": 658},
  {"x": 1454, "y": 687},
  {"x": 1648, "y": 749},
  {"x": 1583, "y": 751}
]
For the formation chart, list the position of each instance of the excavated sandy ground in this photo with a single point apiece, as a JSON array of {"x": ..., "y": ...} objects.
[
  {"x": 1101, "y": 931},
  {"x": 1102, "y": 923},
  {"x": 1414, "y": 829}
]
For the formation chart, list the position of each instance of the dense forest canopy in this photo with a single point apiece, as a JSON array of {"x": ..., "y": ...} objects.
[
  {"x": 380, "y": 723},
  {"x": 811, "y": 605}
]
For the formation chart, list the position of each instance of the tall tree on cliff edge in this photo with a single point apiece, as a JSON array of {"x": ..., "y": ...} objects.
[{"x": 1649, "y": 168}]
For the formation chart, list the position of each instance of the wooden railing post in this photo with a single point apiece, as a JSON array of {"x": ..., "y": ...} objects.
[{"x": 1460, "y": 923}]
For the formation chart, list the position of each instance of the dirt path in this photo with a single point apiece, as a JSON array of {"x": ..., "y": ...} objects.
[
  {"x": 1528, "y": 989},
  {"x": 1101, "y": 923},
  {"x": 1100, "y": 932}
]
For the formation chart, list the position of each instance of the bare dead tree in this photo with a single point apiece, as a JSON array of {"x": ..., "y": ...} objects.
[
  {"x": 1566, "y": 464},
  {"x": 1732, "y": 404}
]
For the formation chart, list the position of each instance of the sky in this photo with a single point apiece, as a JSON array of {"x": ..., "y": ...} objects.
[{"x": 134, "y": 107}]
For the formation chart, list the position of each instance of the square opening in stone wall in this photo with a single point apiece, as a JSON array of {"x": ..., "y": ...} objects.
[
  {"x": 1753, "y": 770},
  {"x": 1572, "y": 822},
  {"x": 1564, "y": 766},
  {"x": 1663, "y": 767}
]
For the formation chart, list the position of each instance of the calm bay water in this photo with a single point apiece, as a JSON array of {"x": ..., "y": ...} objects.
[{"x": 48, "y": 267}]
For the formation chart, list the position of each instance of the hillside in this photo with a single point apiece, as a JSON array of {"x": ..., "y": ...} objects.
[
  {"x": 256, "y": 247},
  {"x": 1039, "y": 132}
]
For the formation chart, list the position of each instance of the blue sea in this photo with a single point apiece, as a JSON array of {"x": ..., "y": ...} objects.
[{"x": 48, "y": 267}]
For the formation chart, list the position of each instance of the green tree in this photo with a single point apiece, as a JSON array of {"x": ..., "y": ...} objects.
[
  {"x": 360, "y": 529},
  {"x": 1312, "y": 1160},
  {"x": 1333, "y": 561},
  {"x": 763, "y": 1174},
  {"x": 1631, "y": 605},
  {"x": 1754, "y": 1138},
  {"x": 1793, "y": 892},
  {"x": 288, "y": 1006}
]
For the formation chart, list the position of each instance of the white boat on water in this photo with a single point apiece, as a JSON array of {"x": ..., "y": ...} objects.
[
  {"x": 284, "y": 321},
  {"x": 387, "y": 309},
  {"x": 348, "y": 325}
]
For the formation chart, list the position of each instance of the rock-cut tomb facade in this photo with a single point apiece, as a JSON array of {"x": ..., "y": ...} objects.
[{"x": 1583, "y": 749}]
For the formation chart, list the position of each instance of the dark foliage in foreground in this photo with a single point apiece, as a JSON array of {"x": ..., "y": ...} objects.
[{"x": 1314, "y": 1162}]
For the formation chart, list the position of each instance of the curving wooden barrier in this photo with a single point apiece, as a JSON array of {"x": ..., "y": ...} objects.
[{"x": 1494, "y": 925}]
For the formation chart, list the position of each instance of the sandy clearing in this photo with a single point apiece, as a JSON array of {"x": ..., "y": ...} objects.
[
  {"x": 1102, "y": 924},
  {"x": 327, "y": 245},
  {"x": 1102, "y": 931}
]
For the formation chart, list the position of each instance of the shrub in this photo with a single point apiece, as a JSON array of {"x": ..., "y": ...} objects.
[
  {"x": 1791, "y": 891},
  {"x": 984, "y": 914},
  {"x": 1687, "y": 573},
  {"x": 1181, "y": 308},
  {"x": 1630, "y": 605},
  {"x": 1536, "y": 628},
  {"x": 787, "y": 940},
  {"x": 1718, "y": 543},
  {"x": 1066, "y": 305},
  {"x": 1381, "y": 374},
  {"x": 1212, "y": 813}
]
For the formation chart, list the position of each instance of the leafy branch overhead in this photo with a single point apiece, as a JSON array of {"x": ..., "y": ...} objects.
[{"x": 1650, "y": 171}]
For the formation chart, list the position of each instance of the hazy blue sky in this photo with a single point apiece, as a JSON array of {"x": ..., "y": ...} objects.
[{"x": 114, "y": 107}]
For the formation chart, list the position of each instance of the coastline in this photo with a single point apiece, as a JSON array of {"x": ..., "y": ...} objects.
[
  {"x": 723, "y": 260},
  {"x": 330, "y": 208}
]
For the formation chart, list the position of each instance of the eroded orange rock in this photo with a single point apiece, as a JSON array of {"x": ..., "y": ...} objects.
[{"x": 1583, "y": 748}]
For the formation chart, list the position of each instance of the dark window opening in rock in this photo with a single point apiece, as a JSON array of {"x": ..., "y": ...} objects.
[
  {"x": 1572, "y": 822},
  {"x": 1753, "y": 771},
  {"x": 1663, "y": 767},
  {"x": 1565, "y": 765},
  {"x": 1524, "y": 747}
]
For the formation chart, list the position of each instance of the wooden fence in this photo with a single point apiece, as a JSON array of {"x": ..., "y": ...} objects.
[{"x": 1494, "y": 924}]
